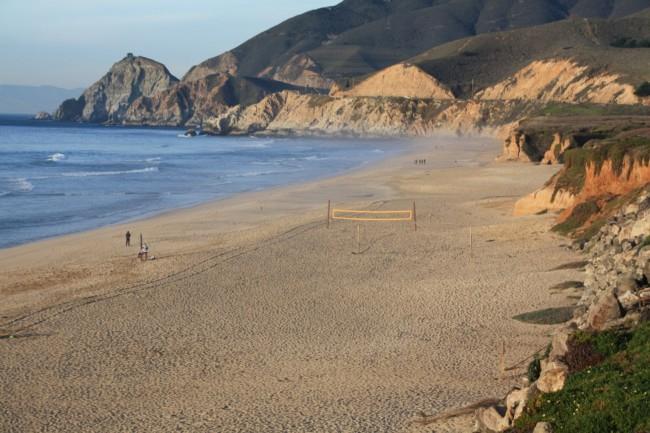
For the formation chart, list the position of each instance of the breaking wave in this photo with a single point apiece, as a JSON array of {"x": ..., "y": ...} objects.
[
  {"x": 55, "y": 157},
  {"x": 109, "y": 173}
]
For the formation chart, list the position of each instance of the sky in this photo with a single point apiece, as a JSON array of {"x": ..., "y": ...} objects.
[{"x": 72, "y": 43}]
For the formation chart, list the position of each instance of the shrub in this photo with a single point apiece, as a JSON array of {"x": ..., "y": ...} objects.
[
  {"x": 643, "y": 89},
  {"x": 534, "y": 369}
]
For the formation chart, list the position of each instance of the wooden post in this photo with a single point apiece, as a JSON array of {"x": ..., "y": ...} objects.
[
  {"x": 471, "y": 239},
  {"x": 415, "y": 218},
  {"x": 141, "y": 241},
  {"x": 329, "y": 212},
  {"x": 502, "y": 360},
  {"x": 358, "y": 238}
]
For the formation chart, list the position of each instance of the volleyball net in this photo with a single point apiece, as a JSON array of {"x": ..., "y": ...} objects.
[{"x": 334, "y": 214}]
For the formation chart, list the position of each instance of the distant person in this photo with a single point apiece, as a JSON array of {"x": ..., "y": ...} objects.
[
  {"x": 143, "y": 255},
  {"x": 128, "y": 238}
]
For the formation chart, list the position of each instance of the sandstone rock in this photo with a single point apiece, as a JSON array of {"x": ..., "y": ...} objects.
[
  {"x": 492, "y": 420},
  {"x": 629, "y": 300},
  {"x": 626, "y": 283},
  {"x": 563, "y": 81},
  {"x": 604, "y": 310},
  {"x": 400, "y": 80},
  {"x": 544, "y": 199},
  {"x": 543, "y": 427},
  {"x": 553, "y": 376},
  {"x": 559, "y": 344},
  {"x": 517, "y": 400}
]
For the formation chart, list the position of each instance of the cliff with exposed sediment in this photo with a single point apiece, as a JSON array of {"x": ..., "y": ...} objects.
[
  {"x": 592, "y": 177},
  {"x": 294, "y": 113},
  {"x": 563, "y": 80},
  {"x": 401, "y": 80}
]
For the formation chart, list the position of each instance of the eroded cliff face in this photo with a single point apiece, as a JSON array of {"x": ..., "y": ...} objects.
[
  {"x": 602, "y": 181},
  {"x": 293, "y": 113},
  {"x": 108, "y": 100},
  {"x": 546, "y": 139},
  {"x": 401, "y": 81},
  {"x": 562, "y": 80}
]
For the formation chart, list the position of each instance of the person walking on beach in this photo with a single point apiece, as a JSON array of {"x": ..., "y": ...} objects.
[{"x": 128, "y": 238}]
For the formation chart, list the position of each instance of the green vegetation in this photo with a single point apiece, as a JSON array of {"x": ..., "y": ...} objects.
[
  {"x": 581, "y": 214},
  {"x": 548, "y": 316},
  {"x": 560, "y": 109},
  {"x": 626, "y": 42},
  {"x": 534, "y": 369},
  {"x": 645, "y": 243},
  {"x": 572, "y": 178},
  {"x": 643, "y": 89},
  {"x": 609, "y": 392}
]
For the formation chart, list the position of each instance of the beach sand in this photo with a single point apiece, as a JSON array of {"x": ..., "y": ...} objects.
[{"x": 255, "y": 317}]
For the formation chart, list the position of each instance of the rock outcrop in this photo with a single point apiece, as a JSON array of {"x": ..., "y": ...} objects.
[
  {"x": 109, "y": 99},
  {"x": 191, "y": 102},
  {"x": 546, "y": 139},
  {"x": 402, "y": 81},
  {"x": 301, "y": 70},
  {"x": 300, "y": 114},
  {"x": 562, "y": 80}
]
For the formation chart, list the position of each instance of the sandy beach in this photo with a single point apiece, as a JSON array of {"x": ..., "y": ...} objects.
[{"x": 255, "y": 317}]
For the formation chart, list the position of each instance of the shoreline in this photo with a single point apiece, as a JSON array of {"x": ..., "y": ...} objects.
[{"x": 254, "y": 296}]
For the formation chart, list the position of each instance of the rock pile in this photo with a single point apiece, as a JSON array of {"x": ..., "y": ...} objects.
[
  {"x": 616, "y": 296},
  {"x": 618, "y": 274}
]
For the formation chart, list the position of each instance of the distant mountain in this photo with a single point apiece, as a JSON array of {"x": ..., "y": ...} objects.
[
  {"x": 32, "y": 99},
  {"x": 466, "y": 46},
  {"x": 357, "y": 37}
]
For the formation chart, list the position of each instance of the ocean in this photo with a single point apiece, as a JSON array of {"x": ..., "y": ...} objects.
[{"x": 57, "y": 179}]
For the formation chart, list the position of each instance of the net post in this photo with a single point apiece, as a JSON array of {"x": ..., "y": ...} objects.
[
  {"x": 329, "y": 212},
  {"x": 358, "y": 238},
  {"x": 141, "y": 241},
  {"x": 415, "y": 218}
]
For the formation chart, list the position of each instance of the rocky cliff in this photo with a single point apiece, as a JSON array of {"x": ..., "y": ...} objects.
[
  {"x": 294, "y": 113},
  {"x": 191, "y": 102},
  {"x": 593, "y": 178},
  {"x": 108, "y": 100},
  {"x": 546, "y": 138},
  {"x": 563, "y": 80}
]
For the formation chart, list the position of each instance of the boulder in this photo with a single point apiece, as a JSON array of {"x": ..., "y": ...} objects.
[
  {"x": 626, "y": 283},
  {"x": 491, "y": 420},
  {"x": 560, "y": 344},
  {"x": 517, "y": 400},
  {"x": 629, "y": 300},
  {"x": 543, "y": 427},
  {"x": 604, "y": 310},
  {"x": 553, "y": 377}
]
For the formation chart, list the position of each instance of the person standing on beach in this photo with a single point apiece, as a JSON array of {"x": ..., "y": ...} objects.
[{"x": 128, "y": 238}]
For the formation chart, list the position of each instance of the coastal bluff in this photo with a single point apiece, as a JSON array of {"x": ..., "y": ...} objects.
[{"x": 108, "y": 100}]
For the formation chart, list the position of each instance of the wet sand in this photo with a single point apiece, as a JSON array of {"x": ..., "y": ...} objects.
[{"x": 255, "y": 317}]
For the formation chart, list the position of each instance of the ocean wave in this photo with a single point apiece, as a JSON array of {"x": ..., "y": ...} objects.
[
  {"x": 15, "y": 185},
  {"x": 109, "y": 173},
  {"x": 56, "y": 157},
  {"x": 152, "y": 160}
]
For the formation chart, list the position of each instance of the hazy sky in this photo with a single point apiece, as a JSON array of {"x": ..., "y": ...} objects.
[{"x": 72, "y": 43}]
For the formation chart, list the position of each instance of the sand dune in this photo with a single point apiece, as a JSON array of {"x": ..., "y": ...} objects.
[{"x": 257, "y": 318}]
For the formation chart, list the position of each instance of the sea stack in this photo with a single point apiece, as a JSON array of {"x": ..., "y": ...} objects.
[{"x": 108, "y": 100}]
